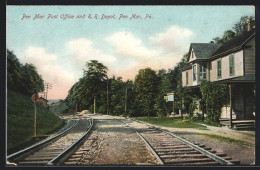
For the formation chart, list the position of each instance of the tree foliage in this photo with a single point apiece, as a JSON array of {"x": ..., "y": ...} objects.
[
  {"x": 164, "y": 86},
  {"x": 240, "y": 27},
  {"x": 92, "y": 84},
  {"x": 213, "y": 95},
  {"x": 95, "y": 78},
  {"x": 146, "y": 87},
  {"x": 22, "y": 78}
]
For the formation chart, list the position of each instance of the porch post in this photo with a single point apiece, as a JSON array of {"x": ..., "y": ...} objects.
[
  {"x": 182, "y": 107},
  {"x": 244, "y": 100},
  {"x": 230, "y": 103}
]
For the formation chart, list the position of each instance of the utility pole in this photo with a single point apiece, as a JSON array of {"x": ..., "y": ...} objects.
[
  {"x": 107, "y": 99},
  {"x": 35, "y": 131},
  {"x": 47, "y": 87},
  {"x": 94, "y": 104},
  {"x": 125, "y": 98}
]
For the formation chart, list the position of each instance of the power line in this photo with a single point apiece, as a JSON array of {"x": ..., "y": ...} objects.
[{"x": 47, "y": 87}]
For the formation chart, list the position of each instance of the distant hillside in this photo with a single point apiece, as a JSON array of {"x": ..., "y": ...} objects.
[
  {"x": 51, "y": 101},
  {"x": 60, "y": 108},
  {"x": 20, "y": 118}
]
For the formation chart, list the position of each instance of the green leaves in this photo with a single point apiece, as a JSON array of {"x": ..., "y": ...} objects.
[
  {"x": 240, "y": 27},
  {"x": 22, "y": 78},
  {"x": 214, "y": 96},
  {"x": 146, "y": 88},
  {"x": 92, "y": 84}
]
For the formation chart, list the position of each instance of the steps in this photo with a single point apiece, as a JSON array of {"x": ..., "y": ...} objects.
[
  {"x": 244, "y": 124},
  {"x": 239, "y": 124}
]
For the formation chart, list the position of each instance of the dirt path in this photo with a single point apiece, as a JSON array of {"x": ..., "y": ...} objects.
[{"x": 112, "y": 143}]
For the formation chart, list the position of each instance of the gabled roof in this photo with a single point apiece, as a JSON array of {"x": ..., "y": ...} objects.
[
  {"x": 203, "y": 50},
  {"x": 235, "y": 43}
]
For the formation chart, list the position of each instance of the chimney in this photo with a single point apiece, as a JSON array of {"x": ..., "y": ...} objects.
[{"x": 248, "y": 25}]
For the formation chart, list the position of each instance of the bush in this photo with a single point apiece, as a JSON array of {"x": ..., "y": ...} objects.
[{"x": 213, "y": 95}]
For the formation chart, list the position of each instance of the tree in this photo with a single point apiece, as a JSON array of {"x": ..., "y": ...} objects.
[
  {"x": 241, "y": 26},
  {"x": 218, "y": 40},
  {"x": 213, "y": 96},
  {"x": 228, "y": 35},
  {"x": 91, "y": 86},
  {"x": 14, "y": 68},
  {"x": 95, "y": 79},
  {"x": 22, "y": 78},
  {"x": 31, "y": 81},
  {"x": 146, "y": 87},
  {"x": 164, "y": 86},
  {"x": 117, "y": 96}
]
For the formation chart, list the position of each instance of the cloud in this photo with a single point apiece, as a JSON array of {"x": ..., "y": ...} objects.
[
  {"x": 37, "y": 55},
  {"x": 83, "y": 50},
  {"x": 126, "y": 45},
  {"x": 48, "y": 66},
  {"x": 175, "y": 39},
  {"x": 122, "y": 52},
  {"x": 168, "y": 48}
]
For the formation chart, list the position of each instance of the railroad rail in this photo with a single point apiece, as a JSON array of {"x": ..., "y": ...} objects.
[
  {"x": 170, "y": 149},
  {"x": 54, "y": 150}
]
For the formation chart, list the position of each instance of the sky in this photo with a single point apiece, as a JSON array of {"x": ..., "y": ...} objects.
[{"x": 59, "y": 40}]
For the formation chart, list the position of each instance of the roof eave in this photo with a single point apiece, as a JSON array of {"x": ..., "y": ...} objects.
[{"x": 226, "y": 52}]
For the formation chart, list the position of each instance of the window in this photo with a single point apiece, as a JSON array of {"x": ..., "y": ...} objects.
[
  {"x": 187, "y": 78},
  {"x": 203, "y": 72},
  {"x": 231, "y": 65},
  {"x": 219, "y": 68},
  {"x": 192, "y": 54},
  {"x": 194, "y": 73}
]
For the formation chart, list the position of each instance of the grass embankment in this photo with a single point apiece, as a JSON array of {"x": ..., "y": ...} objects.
[
  {"x": 20, "y": 120},
  {"x": 236, "y": 142},
  {"x": 172, "y": 122},
  {"x": 60, "y": 109}
]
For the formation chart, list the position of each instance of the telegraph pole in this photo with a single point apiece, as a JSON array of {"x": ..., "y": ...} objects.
[
  {"x": 125, "y": 99},
  {"x": 107, "y": 99},
  {"x": 47, "y": 87}
]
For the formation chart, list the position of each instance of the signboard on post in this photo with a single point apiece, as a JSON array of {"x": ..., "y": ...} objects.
[
  {"x": 170, "y": 98},
  {"x": 35, "y": 98}
]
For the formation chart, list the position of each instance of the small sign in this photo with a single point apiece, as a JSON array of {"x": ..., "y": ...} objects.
[
  {"x": 170, "y": 98},
  {"x": 35, "y": 98}
]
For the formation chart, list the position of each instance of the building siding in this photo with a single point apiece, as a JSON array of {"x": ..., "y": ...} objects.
[
  {"x": 249, "y": 54},
  {"x": 189, "y": 78},
  {"x": 238, "y": 63}
]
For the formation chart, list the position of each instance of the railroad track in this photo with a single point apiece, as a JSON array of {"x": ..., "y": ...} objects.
[
  {"x": 170, "y": 149},
  {"x": 55, "y": 150}
]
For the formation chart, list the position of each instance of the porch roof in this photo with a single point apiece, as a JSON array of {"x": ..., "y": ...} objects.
[{"x": 241, "y": 79}]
